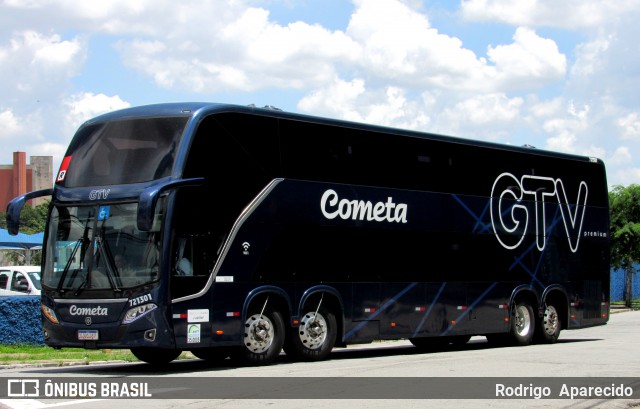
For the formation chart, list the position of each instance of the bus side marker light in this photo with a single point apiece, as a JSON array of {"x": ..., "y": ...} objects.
[
  {"x": 462, "y": 308},
  {"x": 219, "y": 332},
  {"x": 573, "y": 315},
  {"x": 604, "y": 315},
  {"x": 369, "y": 310},
  {"x": 296, "y": 322},
  {"x": 393, "y": 324},
  {"x": 233, "y": 314},
  {"x": 420, "y": 309},
  {"x": 453, "y": 322}
]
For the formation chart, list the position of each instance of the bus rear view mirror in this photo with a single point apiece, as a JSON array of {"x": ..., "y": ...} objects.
[
  {"x": 149, "y": 198},
  {"x": 15, "y": 207}
]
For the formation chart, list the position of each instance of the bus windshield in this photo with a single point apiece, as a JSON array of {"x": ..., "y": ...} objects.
[
  {"x": 122, "y": 152},
  {"x": 100, "y": 248}
]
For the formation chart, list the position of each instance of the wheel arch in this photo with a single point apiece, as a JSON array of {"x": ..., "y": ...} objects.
[
  {"x": 277, "y": 296},
  {"x": 525, "y": 293}
]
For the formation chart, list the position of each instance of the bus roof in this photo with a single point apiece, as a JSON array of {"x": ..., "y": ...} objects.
[{"x": 199, "y": 110}]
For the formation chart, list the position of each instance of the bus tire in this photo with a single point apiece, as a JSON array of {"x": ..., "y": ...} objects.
[
  {"x": 522, "y": 324},
  {"x": 314, "y": 339},
  {"x": 155, "y": 356},
  {"x": 263, "y": 338},
  {"x": 212, "y": 354},
  {"x": 549, "y": 329}
]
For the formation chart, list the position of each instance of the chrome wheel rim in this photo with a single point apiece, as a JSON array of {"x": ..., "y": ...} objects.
[
  {"x": 522, "y": 320},
  {"x": 258, "y": 333},
  {"x": 313, "y": 330},
  {"x": 551, "y": 320}
]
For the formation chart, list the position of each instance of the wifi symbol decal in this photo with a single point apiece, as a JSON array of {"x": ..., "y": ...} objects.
[{"x": 245, "y": 247}]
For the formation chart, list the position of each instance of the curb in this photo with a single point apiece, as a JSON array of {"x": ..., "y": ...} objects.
[{"x": 58, "y": 364}]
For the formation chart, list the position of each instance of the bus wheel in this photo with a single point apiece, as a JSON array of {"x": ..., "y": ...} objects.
[
  {"x": 313, "y": 340},
  {"x": 155, "y": 356},
  {"x": 522, "y": 324},
  {"x": 263, "y": 338},
  {"x": 549, "y": 330},
  {"x": 213, "y": 354}
]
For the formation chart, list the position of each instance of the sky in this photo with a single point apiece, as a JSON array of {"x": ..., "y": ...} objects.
[{"x": 558, "y": 75}]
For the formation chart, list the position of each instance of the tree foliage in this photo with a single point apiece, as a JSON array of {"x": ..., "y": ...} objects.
[
  {"x": 32, "y": 219},
  {"x": 624, "y": 206}
]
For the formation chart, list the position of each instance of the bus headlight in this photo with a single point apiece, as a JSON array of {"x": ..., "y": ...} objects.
[
  {"x": 48, "y": 312},
  {"x": 137, "y": 312}
]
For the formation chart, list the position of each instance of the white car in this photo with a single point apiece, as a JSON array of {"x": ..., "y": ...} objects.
[{"x": 19, "y": 280}]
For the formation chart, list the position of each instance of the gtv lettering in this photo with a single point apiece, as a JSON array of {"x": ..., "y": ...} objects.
[{"x": 510, "y": 217}]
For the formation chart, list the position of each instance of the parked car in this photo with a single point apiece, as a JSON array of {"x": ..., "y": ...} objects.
[{"x": 19, "y": 280}]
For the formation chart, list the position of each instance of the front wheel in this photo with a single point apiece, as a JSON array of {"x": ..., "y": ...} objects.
[
  {"x": 550, "y": 325},
  {"x": 155, "y": 356},
  {"x": 522, "y": 324},
  {"x": 313, "y": 340},
  {"x": 263, "y": 338}
]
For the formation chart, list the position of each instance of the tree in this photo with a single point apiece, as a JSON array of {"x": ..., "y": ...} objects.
[
  {"x": 624, "y": 206},
  {"x": 32, "y": 219}
]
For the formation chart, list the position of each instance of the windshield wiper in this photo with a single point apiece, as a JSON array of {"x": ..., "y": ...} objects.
[
  {"x": 69, "y": 261},
  {"x": 103, "y": 247},
  {"x": 82, "y": 285}
]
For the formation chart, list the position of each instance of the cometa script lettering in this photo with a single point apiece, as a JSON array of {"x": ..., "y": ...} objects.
[
  {"x": 97, "y": 311},
  {"x": 332, "y": 206}
]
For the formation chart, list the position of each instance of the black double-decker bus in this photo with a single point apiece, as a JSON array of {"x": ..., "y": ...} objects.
[{"x": 240, "y": 231}]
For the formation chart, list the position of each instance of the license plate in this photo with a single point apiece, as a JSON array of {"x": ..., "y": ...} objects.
[{"x": 88, "y": 335}]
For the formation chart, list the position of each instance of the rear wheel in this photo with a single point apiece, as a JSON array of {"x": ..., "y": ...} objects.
[
  {"x": 522, "y": 323},
  {"x": 549, "y": 328},
  {"x": 313, "y": 340},
  {"x": 263, "y": 337},
  {"x": 155, "y": 356}
]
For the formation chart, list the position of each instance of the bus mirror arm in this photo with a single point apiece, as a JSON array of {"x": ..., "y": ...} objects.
[
  {"x": 149, "y": 198},
  {"x": 15, "y": 207}
]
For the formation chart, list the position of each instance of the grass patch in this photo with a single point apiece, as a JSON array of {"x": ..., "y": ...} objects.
[
  {"x": 30, "y": 354},
  {"x": 20, "y": 354},
  {"x": 634, "y": 302}
]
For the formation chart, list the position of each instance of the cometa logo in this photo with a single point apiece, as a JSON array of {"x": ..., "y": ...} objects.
[
  {"x": 96, "y": 311},
  {"x": 332, "y": 206}
]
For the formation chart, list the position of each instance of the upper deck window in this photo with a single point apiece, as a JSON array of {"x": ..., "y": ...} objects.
[{"x": 122, "y": 152}]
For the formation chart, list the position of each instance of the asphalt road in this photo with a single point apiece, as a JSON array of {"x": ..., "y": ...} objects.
[{"x": 384, "y": 369}]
